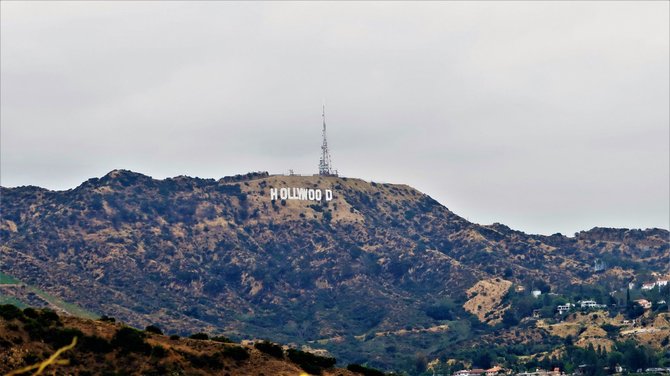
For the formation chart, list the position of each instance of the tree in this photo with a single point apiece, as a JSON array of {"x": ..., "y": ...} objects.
[
  {"x": 509, "y": 319},
  {"x": 309, "y": 362},
  {"x": 634, "y": 310},
  {"x": 270, "y": 348},
  {"x": 200, "y": 336},
  {"x": 484, "y": 359},
  {"x": 153, "y": 329},
  {"x": 614, "y": 358},
  {"x": 130, "y": 340},
  {"x": 365, "y": 371},
  {"x": 420, "y": 362},
  {"x": 441, "y": 311}
]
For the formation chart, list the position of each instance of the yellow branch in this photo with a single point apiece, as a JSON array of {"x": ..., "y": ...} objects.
[{"x": 53, "y": 359}]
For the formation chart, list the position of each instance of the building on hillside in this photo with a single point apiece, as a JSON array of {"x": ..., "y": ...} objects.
[
  {"x": 585, "y": 304},
  {"x": 537, "y": 313},
  {"x": 657, "y": 370},
  {"x": 644, "y": 303},
  {"x": 495, "y": 371},
  {"x": 319, "y": 352},
  {"x": 536, "y": 293},
  {"x": 661, "y": 283},
  {"x": 599, "y": 266},
  {"x": 564, "y": 308},
  {"x": 648, "y": 286},
  {"x": 470, "y": 372},
  {"x": 661, "y": 302},
  {"x": 541, "y": 372}
]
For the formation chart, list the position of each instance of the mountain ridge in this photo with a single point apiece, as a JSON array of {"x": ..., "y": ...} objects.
[
  {"x": 124, "y": 174},
  {"x": 219, "y": 255}
]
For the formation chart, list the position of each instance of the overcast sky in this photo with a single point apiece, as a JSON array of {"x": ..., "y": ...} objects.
[{"x": 545, "y": 116}]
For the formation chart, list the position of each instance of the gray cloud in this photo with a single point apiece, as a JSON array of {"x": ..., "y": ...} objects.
[{"x": 548, "y": 116}]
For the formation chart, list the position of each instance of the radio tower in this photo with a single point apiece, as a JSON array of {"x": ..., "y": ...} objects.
[{"x": 325, "y": 168}]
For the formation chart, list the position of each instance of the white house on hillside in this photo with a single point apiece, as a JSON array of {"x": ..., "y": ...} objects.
[
  {"x": 648, "y": 286},
  {"x": 564, "y": 308},
  {"x": 590, "y": 304},
  {"x": 644, "y": 303}
]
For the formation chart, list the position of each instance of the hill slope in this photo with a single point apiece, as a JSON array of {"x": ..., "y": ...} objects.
[
  {"x": 102, "y": 347},
  {"x": 204, "y": 255}
]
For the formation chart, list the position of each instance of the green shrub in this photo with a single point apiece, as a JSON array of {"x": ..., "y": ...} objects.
[
  {"x": 159, "y": 351},
  {"x": 609, "y": 328},
  {"x": 9, "y": 312},
  {"x": 94, "y": 344},
  {"x": 174, "y": 337},
  {"x": 309, "y": 362},
  {"x": 130, "y": 340},
  {"x": 153, "y": 329},
  {"x": 49, "y": 316},
  {"x": 366, "y": 371},
  {"x": 441, "y": 311},
  {"x": 509, "y": 319},
  {"x": 222, "y": 339},
  {"x": 106, "y": 318},
  {"x": 200, "y": 336},
  {"x": 238, "y": 353},
  {"x": 205, "y": 361},
  {"x": 61, "y": 337},
  {"x": 270, "y": 348},
  {"x": 42, "y": 328},
  {"x": 31, "y": 313},
  {"x": 34, "y": 329}
]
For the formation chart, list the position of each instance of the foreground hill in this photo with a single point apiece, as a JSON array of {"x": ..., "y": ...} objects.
[
  {"x": 102, "y": 347},
  {"x": 372, "y": 275}
]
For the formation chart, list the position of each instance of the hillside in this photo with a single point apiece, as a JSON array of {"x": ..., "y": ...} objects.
[
  {"x": 105, "y": 347},
  {"x": 221, "y": 256}
]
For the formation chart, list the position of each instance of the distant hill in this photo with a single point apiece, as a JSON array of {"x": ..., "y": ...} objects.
[{"x": 373, "y": 275}]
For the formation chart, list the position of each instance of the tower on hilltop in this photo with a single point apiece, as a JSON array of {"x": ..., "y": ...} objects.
[{"x": 325, "y": 167}]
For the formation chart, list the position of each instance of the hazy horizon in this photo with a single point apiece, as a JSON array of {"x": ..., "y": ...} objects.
[{"x": 546, "y": 117}]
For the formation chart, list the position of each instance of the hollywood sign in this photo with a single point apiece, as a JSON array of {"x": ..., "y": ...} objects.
[{"x": 301, "y": 194}]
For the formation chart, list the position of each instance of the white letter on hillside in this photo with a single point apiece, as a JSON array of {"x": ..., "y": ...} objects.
[
  {"x": 317, "y": 196},
  {"x": 329, "y": 194},
  {"x": 283, "y": 193},
  {"x": 302, "y": 193},
  {"x": 273, "y": 194}
]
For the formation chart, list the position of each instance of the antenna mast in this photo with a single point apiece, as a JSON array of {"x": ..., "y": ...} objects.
[{"x": 325, "y": 168}]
